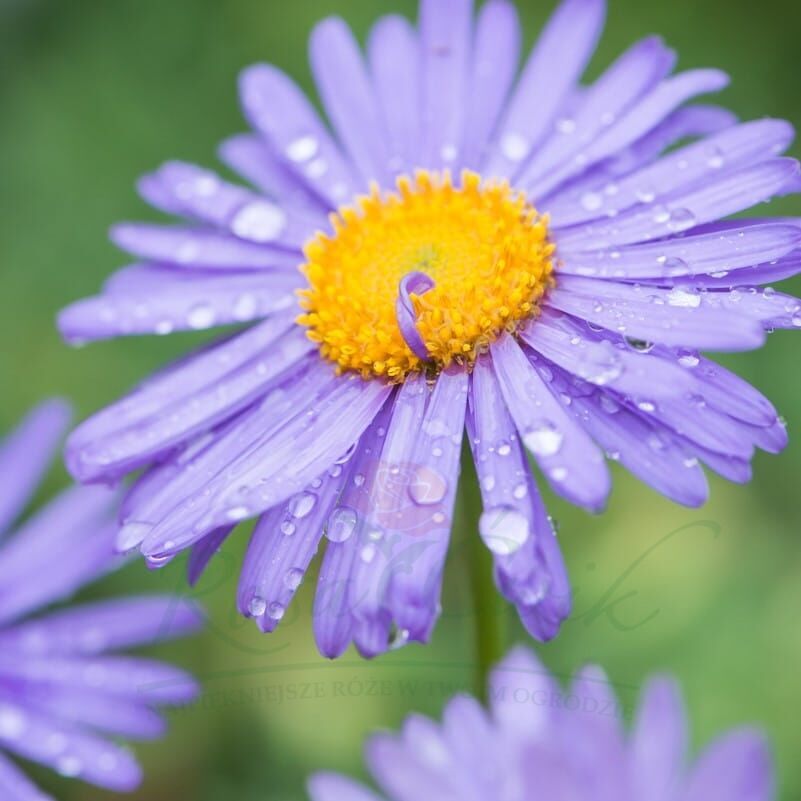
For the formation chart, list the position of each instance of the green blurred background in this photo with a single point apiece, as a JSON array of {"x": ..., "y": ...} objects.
[{"x": 94, "y": 93}]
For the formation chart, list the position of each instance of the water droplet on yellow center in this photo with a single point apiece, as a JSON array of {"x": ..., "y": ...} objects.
[{"x": 485, "y": 248}]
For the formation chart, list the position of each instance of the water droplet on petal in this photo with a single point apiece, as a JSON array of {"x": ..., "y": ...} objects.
[
  {"x": 293, "y": 578},
  {"x": 515, "y": 146},
  {"x": 302, "y": 149},
  {"x": 275, "y": 611},
  {"x": 201, "y": 316},
  {"x": 504, "y": 530},
  {"x": 301, "y": 505},
  {"x": 257, "y": 606},
  {"x": 427, "y": 486},
  {"x": 259, "y": 222},
  {"x": 341, "y": 524},
  {"x": 543, "y": 441}
]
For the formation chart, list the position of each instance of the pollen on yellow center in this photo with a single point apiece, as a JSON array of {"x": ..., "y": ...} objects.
[{"x": 484, "y": 246}]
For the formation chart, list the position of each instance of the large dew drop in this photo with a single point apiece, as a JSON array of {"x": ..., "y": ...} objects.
[{"x": 504, "y": 530}]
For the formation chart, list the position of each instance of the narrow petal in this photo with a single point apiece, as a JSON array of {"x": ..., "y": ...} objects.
[
  {"x": 640, "y": 444},
  {"x": 199, "y": 248},
  {"x": 719, "y": 197},
  {"x": 146, "y": 299},
  {"x": 26, "y": 454},
  {"x": 142, "y": 680},
  {"x": 574, "y": 467},
  {"x": 745, "y": 144},
  {"x": 203, "y": 551},
  {"x": 94, "y": 452},
  {"x": 348, "y": 98},
  {"x": 496, "y": 52},
  {"x": 107, "y": 626},
  {"x": 550, "y": 75},
  {"x": 81, "y": 755},
  {"x": 634, "y": 73},
  {"x": 395, "y": 65},
  {"x": 636, "y": 123},
  {"x": 279, "y": 110},
  {"x": 737, "y": 767},
  {"x": 445, "y": 41},
  {"x": 521, "y": 675},
  {"x": 659, "y": 742},
  {"x": 282, "y": 546},
  {"x": 275, "y": 466},
  {"x": 201, "y": 195},
  {"x": 569, "y": 344},
  {"x": 331, "y": 787},
  {"x": 653, "y": 315},
  {"x": 333, "y": 621},
  {"x": 692, "y": 256},
  {"x": 258, "y": 162},
  {"x": 529, "y": 569},
  {"x": 15, "y": 785}
]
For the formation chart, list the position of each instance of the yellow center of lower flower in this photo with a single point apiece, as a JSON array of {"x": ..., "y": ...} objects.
[{"x": 425, "y": 276}]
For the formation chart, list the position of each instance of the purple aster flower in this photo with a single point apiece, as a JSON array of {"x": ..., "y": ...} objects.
[
  {"x": 63, "y": 688},
  {"x": 467, "y": 246},
  {"x": 540, "y": 743}
]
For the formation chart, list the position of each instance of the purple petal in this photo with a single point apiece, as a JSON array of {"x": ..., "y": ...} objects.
[
  {"x": 101, "y": 627},
  {"x": 520, "y": 674},
  {"x": 275, "y": 466},
  {"x": 48, "y": 539},
  {"x": 637, "y": 122},
  {"x": 529, "y": 568},
  {"x": 659, "y": 742},
  {"x": 574, "y": 467},
  {"x": 741, "y": 145},
  {"x": 281, "y": 548},
  {"x": 254, "y": 159},
  {"x": 688, "y": 122},
  {"x": 395, "y": 65},
  {"x": 15, "y": 785},
  {"x": 409, "y": 512},
  {"x": 280, "y": 111},
  {"x": 26, "y": 454},
  {"x": 157, "y": 422},
  {"x": 201, "y": 195},
  {"x": 333, "y": 622},
  {"x": 198, "y": 248},
  {"x": 567, "y": 343},
  {"x": 737, "y": 767},
  {"x": 729, "y": 193},
  {"x": 446, "y": 44},
  {"x": 641, "y": 445},
  {"x": 145, "y": 299},
  {"x": 494, "y": 68},
  {"x": 142, "y": 680},
  {"x": 183, "y": 476},
  {"x": 675, "y": 317},
  {"x": 348, "y": 98},
  {"x": 331, "y": 787},
  {"x": 203, "y": 551},
  {"x": 118, "y": 717},
  {"x": 634, "y": 73},
  {"x": 692, "y": 255},
  {"x": 79, "y": 754},
  {"x": 553, "y": 69}
]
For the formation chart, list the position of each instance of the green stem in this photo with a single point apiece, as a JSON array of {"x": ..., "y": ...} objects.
[{"x": 489, "y": 608}]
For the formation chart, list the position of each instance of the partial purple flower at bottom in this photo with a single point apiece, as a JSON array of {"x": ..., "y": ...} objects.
[
  {"x": 64, "y": 690},
  {"x": 537, "y": 742}
]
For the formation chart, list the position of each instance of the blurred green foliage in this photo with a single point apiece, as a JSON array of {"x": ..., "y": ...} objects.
[{"x": 95, "y": 92}]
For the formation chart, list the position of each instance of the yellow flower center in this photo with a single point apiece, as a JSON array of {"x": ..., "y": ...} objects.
[{"x": 426, "y": 276}]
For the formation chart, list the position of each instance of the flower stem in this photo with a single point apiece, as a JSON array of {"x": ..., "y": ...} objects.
[{"x": 488, "y": 606}]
